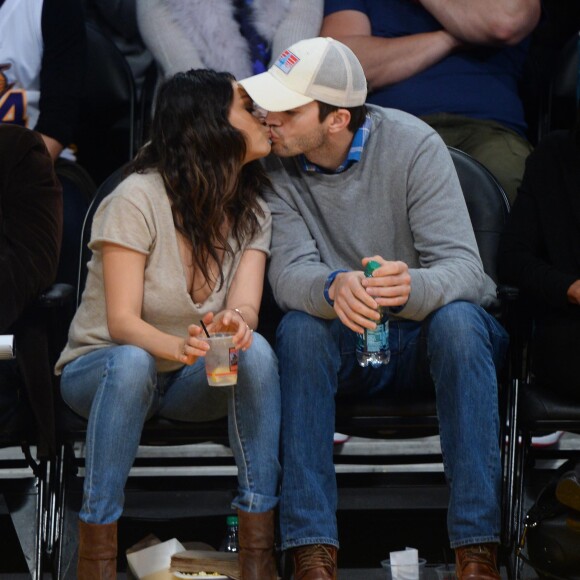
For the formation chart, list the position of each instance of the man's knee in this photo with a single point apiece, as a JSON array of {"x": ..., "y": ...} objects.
[
  {"x": 456, "y": 325},
  {"x": 302, "y": 330}
]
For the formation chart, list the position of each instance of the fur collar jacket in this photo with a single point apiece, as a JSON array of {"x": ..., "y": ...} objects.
[{"x": 212, "y": 28}]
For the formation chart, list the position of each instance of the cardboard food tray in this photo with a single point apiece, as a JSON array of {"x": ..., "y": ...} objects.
[
  {"x": 206, "y": 561},
  {"x": 152, "y": 562}
]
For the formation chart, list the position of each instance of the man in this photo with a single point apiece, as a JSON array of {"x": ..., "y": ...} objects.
[
  {"x": 350, "y": 182},
  {"x": 42, "y": 65},
  {"x": 458, "y": 65},
  {"x": 30, "y": 238}
]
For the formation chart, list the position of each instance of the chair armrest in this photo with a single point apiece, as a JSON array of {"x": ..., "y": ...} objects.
[{"x": 505, "y": 292}]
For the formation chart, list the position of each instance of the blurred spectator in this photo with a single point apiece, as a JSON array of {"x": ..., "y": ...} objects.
[
  {"x": 30, "y": 234},
  {"x": 560, "y": 21},
  {"x": 118, "y": 19},
  {"x": 30, "y": 220},
  {"x": 238, "y": 36},
  {"x": 540, "y": 253},
  {"x": 455, "y": 65},
  {"x": 42, "y": 60}
]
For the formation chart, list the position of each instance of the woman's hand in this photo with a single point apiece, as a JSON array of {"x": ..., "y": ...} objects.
[
  {"x": 193, "y": 347},
  {"x": 574, "y": 293},
  {"x": 231, "y": 320}
]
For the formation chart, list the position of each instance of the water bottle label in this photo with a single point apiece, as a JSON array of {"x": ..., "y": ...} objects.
[{"x": 377, "y": 339}]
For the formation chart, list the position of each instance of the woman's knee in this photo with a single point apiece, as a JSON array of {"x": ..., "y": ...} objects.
[
  {"x": 259, "y": 363},
  {"x": 131, "y": 370}
]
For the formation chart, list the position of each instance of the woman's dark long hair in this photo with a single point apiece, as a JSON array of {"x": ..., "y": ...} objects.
[{"x": 200, "y": 158}]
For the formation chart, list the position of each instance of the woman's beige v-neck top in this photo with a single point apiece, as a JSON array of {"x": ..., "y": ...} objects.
[{"x": 137, "y": 215}]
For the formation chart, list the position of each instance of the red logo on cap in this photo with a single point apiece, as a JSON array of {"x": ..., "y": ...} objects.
[{"x": 286, "y": 61}]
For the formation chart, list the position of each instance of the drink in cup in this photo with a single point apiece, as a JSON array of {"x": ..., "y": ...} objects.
[{"x": 221, "y": 360}]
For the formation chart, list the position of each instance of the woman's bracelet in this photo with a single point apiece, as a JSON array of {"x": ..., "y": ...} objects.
[
  {"x": 240, "y": 313},
  {"x": 242, "y": 317}
]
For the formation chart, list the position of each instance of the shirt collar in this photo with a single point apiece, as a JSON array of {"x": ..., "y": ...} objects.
[{"x": 354, "y": 154}]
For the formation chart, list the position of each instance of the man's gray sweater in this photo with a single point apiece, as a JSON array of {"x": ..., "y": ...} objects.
[{"x": 402, "y": 201}]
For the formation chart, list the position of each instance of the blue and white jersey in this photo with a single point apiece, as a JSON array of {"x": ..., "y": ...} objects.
[{"x": 21, "y": 51}]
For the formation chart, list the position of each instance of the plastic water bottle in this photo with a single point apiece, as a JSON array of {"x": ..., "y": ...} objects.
[
  {"x": 372, "y": 347},
  {"x": 230, "y": 543}
]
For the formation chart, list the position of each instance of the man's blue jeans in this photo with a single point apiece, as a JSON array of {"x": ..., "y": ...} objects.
[
  {"x": 118, "y": 389},
  {"x": 457, "y": 348}
]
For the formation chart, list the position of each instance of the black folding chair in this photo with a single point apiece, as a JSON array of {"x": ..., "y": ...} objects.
[{"x": 535, "y": 410}]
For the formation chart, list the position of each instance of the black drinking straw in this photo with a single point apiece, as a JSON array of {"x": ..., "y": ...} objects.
[{"x": 204, "y": 328}]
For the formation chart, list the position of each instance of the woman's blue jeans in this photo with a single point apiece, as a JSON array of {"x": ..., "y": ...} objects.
[
  {"x": 457, "y": 348},
  {"x": 118, "y": 388}
]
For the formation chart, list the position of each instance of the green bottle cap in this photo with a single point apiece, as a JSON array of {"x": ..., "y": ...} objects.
[
  {"x": 232, "y": 520},
  {"x": 370, "y": 268}
]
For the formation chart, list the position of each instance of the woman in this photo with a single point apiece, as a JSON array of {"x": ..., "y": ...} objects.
[{"x": 183, "y": 239}]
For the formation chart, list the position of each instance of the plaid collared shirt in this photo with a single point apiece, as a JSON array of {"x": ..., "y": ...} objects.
[{"x": 354, "y": 154}]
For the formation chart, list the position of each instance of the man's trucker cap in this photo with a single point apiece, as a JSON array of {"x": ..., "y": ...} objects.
[{"x": 321, "y": 69}]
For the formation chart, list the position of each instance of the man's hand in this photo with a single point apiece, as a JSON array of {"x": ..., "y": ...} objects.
[
  {"x": 574, "y": 293},
  {"x": 357, "y": 299},
  {"x": 390, "y": 284}
]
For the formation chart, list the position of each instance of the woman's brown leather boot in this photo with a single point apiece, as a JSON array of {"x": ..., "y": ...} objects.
[
  {"x": 256, "y": 538},
  {"x": 97, "y": 551}
]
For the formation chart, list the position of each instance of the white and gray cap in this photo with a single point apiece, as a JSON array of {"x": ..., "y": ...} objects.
[{"x": 321, "y": 69}]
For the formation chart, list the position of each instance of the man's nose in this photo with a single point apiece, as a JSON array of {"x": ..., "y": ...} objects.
[{"x": 272, "y": 118}]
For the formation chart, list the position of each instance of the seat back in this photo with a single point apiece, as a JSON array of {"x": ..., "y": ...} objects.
[
  {"x": 487, "y": 204},
  {"x": 106, "y": 134},
  {"x": 106, "y": 187}
]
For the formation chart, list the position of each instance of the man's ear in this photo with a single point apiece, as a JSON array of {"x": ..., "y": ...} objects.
[{"x": 338, "y": 120}]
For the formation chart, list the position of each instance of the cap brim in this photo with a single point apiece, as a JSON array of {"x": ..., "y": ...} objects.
[{"x": 271, "y": 95}]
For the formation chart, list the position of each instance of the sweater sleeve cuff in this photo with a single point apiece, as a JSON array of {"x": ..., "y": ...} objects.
[{"x": 328, "y": 284}]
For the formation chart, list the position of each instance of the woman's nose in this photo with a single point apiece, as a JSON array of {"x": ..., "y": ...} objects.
[{"x": 260, "y": 113}]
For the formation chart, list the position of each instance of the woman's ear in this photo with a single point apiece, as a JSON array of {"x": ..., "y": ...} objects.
[{"x": 339, "y": 120}]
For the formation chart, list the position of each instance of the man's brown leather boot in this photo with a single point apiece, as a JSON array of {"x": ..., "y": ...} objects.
[
  {"x": 97, "y": 551},
  {"x": 315, "y": 562},
  {"x": 476, "y": 562},
  {"x": 256, "y": 539}
]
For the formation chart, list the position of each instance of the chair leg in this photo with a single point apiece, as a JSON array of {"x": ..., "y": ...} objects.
[
  {"x": 41, "y": 509},
  {"x": 511, "y": 450},
  {"x": 522, "y": 457},
  {"x": 38, "y": 467},
  {"x": 58, "y": 498}
]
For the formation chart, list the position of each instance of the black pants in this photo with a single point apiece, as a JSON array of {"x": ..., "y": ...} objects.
[
  {"x": 10, "y": 395},
  {"x": 556, "y": 357}
]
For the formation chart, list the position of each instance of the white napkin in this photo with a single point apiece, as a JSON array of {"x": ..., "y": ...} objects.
[
  {"x": 405, "y": 564},
  {"x": 6, "y": 346}
]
